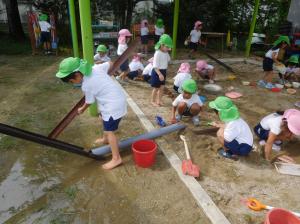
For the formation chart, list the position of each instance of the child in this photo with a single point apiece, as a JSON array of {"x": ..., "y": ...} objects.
[
  {"x": 182, "y": 75},
  {"x": 100, "y": 88},
  {"x": 144, "y": 36},
  {"x": 270, "y": 57},
  {"x": 135, "y": 67},
  {"x": 292, "y": 72},
  {"x": 187, "y": 103},
  {"x": 45, "y": 33},
  {"x": 234, "y": 134},
  {"x": 160, "y": 65},
  {"x": 159, "y": 30},
  {"x": 101, "y": 55},
  {"x": 277, "y": 127},
  {"x": 206, "y": 71},
  {"x": 124, "y": 38},
  {"x": 194, "y": 37},
  {"x": 147, "y": 70}
]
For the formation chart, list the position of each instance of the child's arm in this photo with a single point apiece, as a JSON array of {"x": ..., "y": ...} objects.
[
  {"x": 83, "y": 108},
  {"x": 161, "y": 77},
  {"x": 173, "y": 118},
  {"x": 274, "y": 57},
  {"x": 268, "y": 146}
]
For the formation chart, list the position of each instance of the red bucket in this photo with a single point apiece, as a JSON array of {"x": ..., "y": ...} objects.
[
  {"x": 144, "y": 152},
  {"x": 281, "y": 216}
]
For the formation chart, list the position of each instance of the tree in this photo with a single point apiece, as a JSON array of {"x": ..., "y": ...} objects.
[{"x": 14, "y": 21}]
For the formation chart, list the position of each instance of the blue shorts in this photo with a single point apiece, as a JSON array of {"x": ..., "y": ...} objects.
[
  {"x": 236, "y": 148},
  {"x": 268, "y": 64},
  {"x": 124, "y": 67},
  {"x": 147, "y": 78},
  {"x": 111, "y": 124},
  {"x": 144, "y": 39},
  {"x": 45, "y": 37},
  {"x": 155, "y": 82},
  {"x": 193, "y": 46},
  {"x": 261, "y": 133},
  {"x": 176, "y": 88},
  {"x": 133, "y": 74}
]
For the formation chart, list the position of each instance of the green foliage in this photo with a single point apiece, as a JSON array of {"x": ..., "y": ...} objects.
[{"x": 10, "y": 46}]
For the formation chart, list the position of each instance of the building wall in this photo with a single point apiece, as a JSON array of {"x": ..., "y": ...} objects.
[
  {"x": 23, "y": 8},
  {"x": 294, "y": 14}
]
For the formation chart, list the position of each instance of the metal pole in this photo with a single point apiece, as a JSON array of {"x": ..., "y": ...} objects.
[
  {"x": 252, "y": 27},
  {"x": 73, "y": 28},
  {"x": 175, "y": 27}
]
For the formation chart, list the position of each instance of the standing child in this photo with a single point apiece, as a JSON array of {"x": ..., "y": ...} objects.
[
  {"x": 101, "y": 55},
  {"x": 277, "y": 127},
  {"x": 159, "y": 71},
  {"x": 144, "y": 36},
  {"x": 159, "y": 30},
  {"x": 136, "y": 67},
  {"x": 234, "y": 134},
  {"x": 123, "y": 40},
  {"x": 187, "y": 103},
  {"x": 292, "y": 71},
  {"x": 206, "y": 71},
  {"x": 100, "y": 88},
  {"x": 45, "y": 33},
  {"x": 271, "y": 56},
  {"x": 147, "y": 70},
  {"x": 183, "y": 74},
  {"x": 194, "y": 37}
]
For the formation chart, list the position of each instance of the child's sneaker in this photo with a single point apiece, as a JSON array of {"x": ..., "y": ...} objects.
[
  {"x": 261, "y": 83},
  {"x": 178, "y": 117},
  {"x": 118, "y": 78},
  {"x": 269, "y": 85},
  {"x": 211, "y": 81},
  {"x": 276, "y": 147},
  {"x": 196, "y": 120},
  {"x": 281, "y": 81},
  {"x": 262, "y": 142}
]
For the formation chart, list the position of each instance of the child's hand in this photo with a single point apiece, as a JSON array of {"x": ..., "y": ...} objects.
[
  {"x": 80, "y": 110},
  {"x": 216, "y": 124},
  {"x": 173, "y": 120},
  {"x": 161, "y": 78}
]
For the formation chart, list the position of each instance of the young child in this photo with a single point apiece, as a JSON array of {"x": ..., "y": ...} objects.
[
  {"x": 187, "y": 103},
  {"x": 159, "y": 72},
  {"x": 183, "y": 74},
  {"x": 159, "y": 30},
  {"x": 194, "y": 37},
  {"x": 123, "y": 40},
  {"x": 100, "y": 88},
  {"x": 206, "y": 71},
  {"x": 277, "y": 127},
  {"x": 135, "y": 66},
  {"x": 144, "y": 36},
  {"x": 101, "y": 55},
  {"x": 234, "y": 134},
  {"x": 292, "y": 71},
  {"x": 45, "y": 33},
  {"x": 270, "y": 57},
  {"x": 147, "y": 70}
]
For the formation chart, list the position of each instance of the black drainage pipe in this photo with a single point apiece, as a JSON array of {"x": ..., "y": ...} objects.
[{"x": 219, "y": 62}]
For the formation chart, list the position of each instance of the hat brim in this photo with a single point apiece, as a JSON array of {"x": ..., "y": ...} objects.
[
  {"x": 213, "y": 105},
  {"x": 62, "y": 74}
]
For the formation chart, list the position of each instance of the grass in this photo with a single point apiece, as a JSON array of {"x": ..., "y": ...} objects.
[{"x": 9, "y": 46}]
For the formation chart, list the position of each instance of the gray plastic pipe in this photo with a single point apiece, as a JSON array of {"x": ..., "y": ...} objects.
[{"x": 149, "y": 135}]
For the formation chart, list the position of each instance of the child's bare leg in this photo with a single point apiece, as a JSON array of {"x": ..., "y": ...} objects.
[
  {"x": 269, "y": 76},
  {"x": 103, "y": 140},
  {"x": 195, "y": 109},
  {"x": 48, "y": 46},
  {"x": 116, "y": 158},
  {"x": 160, "y": 95},
  {"x": 220, "y": 136},
  {"x": 146, "y": 49},
  {"x": 153, "y": 97},
  {"x": 181, "y": 108}
]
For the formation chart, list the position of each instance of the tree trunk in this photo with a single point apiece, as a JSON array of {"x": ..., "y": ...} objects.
[
  {"x": 14, "y": 21},
  {"x": 130, "y": 6}
]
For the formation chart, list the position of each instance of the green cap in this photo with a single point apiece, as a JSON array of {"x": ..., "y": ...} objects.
[
  {"x": 294, "y": 59},
  {"x": 70, "y": 65},
  {"x": 43, "y": 17},
  {"x": 159, "y": 23},
  {"x": 164, "y": 39},
  {"x": 226, "y": 108},
  {"x": 189, "y": 86},
  {"x": 281, "y": 39},
  {"x": 102, "y": 48}
]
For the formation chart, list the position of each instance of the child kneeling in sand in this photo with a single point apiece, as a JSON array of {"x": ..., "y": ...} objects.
[
  {"x": 234, "y": 134},
  {"x": 187, "y": 103},
  {"x": 98, "y": 87},
  {"x": 206, "y": 71},
  {"x": 136, "y": 67},
  {"x": 183, "y": 74},
  {"x": 278, "y": 127},
  {"x": 101, "y": 55}
]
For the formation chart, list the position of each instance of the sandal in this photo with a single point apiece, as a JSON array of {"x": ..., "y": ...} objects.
[{"x": 227, "y": 155}]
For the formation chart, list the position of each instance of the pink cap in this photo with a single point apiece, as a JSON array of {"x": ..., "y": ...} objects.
[
  {"x": 197, "y": 23},
  {"x": 184, "y": 67},
  {"x": 143, "y": 23},
  {"x": 201, "y": 64},
  {"x": 151, "y": 60},
  {"x": 292, "y": 117},
  {"x": 124, "y": 33}
]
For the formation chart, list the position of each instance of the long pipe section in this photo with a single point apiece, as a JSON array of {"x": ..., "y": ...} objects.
[{"x": 149, "y": 135}]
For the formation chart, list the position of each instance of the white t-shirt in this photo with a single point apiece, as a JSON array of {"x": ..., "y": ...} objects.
[
  {"x": 290, "y": 70},
  {"x": 121, "y": 49},
  {"x": 180, "y": 78},
  {"x": 148, "y": 69},
  {"x": 238, "y": 130},
  {"x": 272, "y": 123},
  {"x": 195, "y": 36},
  {"x": 105, "y": 58},
  {"x": 161, "y": 59},
  {"x": 101, "y": 88},
  {"x": 159, "y": 31},
  {"x": 45, "y": 26},
  {"x": 189, "y": 102},
  {"x": 135, "y": 66},
  {"x": 207, "y": 69},
  {"x": 270, "y": 53},
  {"x": 144, "y": 31}
]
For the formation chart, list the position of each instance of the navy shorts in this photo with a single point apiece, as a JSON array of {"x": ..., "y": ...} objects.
[
  {"x": 45, "y": 37},
  {"x": 193, "y": 46},
  {"x": 155, "y": 82},
  {"x": 261, "y": 133},
  {"x": 124, "y": 67},
  {"x": 236, "y": 148},
  {"x": 144, "y": 39},
  {"x": 111, "y": 124},
  {"x": 268, "y": 64},
  {"x": 176, "y": 88},
  {"x": 156, "y": 38},
  {"x": 147, "y": 78},
  {"x": 133, "y": 74}
]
